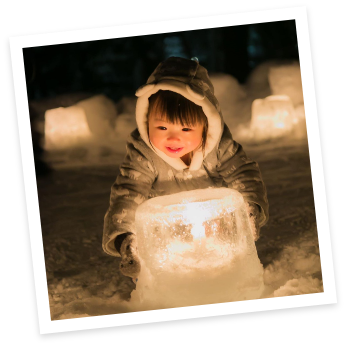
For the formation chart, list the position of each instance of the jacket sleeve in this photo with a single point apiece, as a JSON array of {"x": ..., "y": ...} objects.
[
  {"x": 242, "y": 174},
  {"x": 130, "y": 189}
]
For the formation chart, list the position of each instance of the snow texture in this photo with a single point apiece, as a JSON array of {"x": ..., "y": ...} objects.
[
  {"x": 286, "y": 80},
  {"x": 84, "y": 281}
]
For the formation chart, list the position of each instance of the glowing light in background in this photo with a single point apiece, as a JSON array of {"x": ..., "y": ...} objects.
[
  {"x": 273, "y": 116},
  {"x": 65, "y": 127},
  {"x": 87, "y": 120}
]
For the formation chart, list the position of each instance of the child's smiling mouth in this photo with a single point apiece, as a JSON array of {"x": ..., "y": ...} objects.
[{"x": 174, "y": 149}]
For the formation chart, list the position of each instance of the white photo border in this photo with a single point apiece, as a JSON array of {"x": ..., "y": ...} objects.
[{"x": 18, "y": 43}]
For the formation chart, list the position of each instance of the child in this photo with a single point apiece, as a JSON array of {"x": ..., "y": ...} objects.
[{"x": 181, "y": 143}]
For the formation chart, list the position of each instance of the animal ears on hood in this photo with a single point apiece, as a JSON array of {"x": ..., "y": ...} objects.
[{"x": 195, "y": 92}]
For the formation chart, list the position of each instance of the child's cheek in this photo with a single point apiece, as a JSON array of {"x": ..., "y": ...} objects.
[
  {"x": 155, "y": 138},
  {"x": 194, "y": 142},
  {"x": 151, "y": 135}
]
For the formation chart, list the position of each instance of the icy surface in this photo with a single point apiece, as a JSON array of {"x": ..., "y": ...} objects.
[{"x": 197, "y": 248}]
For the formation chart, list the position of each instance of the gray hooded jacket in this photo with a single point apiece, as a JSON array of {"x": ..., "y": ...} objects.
[{"x": 147, "y": 172}]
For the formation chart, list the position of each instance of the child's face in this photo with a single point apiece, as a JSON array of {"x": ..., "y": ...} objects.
[{"x": 174, "y": 139}]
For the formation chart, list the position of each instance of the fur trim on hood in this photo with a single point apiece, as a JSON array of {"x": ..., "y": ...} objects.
[{"x": 190, "y": 79}]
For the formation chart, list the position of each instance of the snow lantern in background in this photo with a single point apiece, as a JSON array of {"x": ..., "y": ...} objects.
[
  {"x": 286, "y": 80},
  {"x": 88, "y": 120},
  {"x": 65, "y": 127},
  {"x": 272, "y": 117},
  {"x": 196, "y": 248}
]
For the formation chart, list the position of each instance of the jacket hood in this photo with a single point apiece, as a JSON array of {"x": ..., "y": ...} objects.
[{"x": 191, "y": 80}]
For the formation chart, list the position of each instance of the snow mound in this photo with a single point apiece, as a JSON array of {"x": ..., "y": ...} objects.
[
  {"x": 286, "y": 80},
  {"x": 124, "y": 125},
  {"x": 299, "y": 286},
  {"x": 257, "y": 83},
  {"x": 258, "y": 80},
  {"x": 297, "y": 269},
  {"x": 233, "y": 99}
]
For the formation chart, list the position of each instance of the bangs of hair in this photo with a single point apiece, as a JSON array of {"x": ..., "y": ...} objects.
[{"x": 175, "y": 108}]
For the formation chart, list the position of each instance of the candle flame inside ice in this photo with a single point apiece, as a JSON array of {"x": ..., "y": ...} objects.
[
  {"x": 196, "y": 214},
  {"x": 198, "y": 231}
]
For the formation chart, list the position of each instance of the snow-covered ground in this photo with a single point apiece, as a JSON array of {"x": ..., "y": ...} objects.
[{"x": 84, "y": 281}]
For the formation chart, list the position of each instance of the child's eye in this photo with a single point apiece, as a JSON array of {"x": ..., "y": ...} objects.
[
  {"x": 186, "y": 129},
  {"x": 161, "y": 128}
]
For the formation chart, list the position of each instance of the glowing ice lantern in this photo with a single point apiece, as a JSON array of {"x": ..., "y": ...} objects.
[
  {"x": 273, "y": 116},
  {"x": 196, "y": 248},
  {"x": 87, "y": 120},
  {"x": 65, "y": 127}
]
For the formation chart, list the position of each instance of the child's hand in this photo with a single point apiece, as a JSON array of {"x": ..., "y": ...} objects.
[
  {"x": 130, "y": 264},
  {"x": 253, "y": 212}
]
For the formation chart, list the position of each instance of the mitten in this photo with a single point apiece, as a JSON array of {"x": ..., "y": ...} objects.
[
  {"x": 254, "y": 213},
  {"x": 130, "y": 264}
]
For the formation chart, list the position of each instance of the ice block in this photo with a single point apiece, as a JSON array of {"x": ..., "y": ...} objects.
[{"x": 196, "y": 247}]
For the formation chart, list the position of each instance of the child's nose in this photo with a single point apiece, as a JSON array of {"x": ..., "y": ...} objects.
[{"x": 173, "y": 136}]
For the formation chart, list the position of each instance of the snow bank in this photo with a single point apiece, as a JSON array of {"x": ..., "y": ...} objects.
[
  {"x": 124, "y": 125},
  {"x": 286, "y": 80},
  {"x": 233, "y": 99},
  {"x": 297, "y": 269},
  {"x": 257, "y": 84},
  {"x": 300, "y": 286}
]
